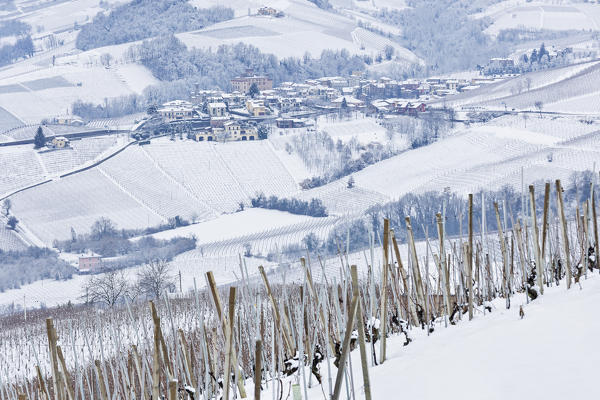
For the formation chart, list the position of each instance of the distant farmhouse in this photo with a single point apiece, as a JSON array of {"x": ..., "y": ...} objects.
[
  {"x": 60, "y": 142},
  {"x": 271, "y": 12},
  {"x": 90, "y": 263}
]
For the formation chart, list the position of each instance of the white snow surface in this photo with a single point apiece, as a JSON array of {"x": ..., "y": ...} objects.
[{"x": 549, "y": 354}]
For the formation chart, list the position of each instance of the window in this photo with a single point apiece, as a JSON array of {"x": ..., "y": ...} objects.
[
  {"x": 251, "y": 137},
  {"x": 210, "y": 138},
  {"x": 243, "y": 137}
]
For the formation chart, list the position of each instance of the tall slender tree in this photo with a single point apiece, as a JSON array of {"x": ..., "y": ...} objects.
[{"x": 39, "y": 140}]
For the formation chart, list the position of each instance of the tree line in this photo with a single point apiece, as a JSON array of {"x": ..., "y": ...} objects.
[
  {"x": 142, "y": 19},
  {"x": 444, "y": 34},
  {"x": 107, "y": 240},
  {"x": 422, "y": 208},
  {"x": 19, "y": 268},
  {"x": 313, "y": 208}
]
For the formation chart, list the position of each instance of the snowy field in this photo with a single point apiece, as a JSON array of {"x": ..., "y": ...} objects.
[
  {"x": 491, "y": 154},
  {"x": 500, "y": 355},
  {"x": 548, "y": 14},
  {"x": 23, "y": 166},
  {"x": 304, "y": 28},
  {"x": 522, "y": 92}
]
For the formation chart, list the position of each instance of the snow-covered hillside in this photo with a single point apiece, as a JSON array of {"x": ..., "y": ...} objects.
[
  {"x": 304, "y": 28},
  {"x": 497, "y": 355},
  {"x": 549, "y": 14}
]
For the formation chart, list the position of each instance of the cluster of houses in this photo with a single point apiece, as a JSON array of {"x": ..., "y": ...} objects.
[
  {"x": 270, "y": 12},
  {"x": 253, "y": 100}
]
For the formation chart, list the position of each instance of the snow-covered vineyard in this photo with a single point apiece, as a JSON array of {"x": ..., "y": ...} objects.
[{"x": 400, "y": 310}]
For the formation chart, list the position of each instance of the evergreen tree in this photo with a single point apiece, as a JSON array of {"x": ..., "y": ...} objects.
[
  {"x": 542, "y": 51},
  {"x": 344, "y": 103},
  {"x": 12, "y": 222},
  {"x": 39, "y": 140},
  {"x": 350, "y": 184},
  {"x": 253, "y": 91},
  {"x": 263, "y": 132},
  {"x": 534, "y": 56}
]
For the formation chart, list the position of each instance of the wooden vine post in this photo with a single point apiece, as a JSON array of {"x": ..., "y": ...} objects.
[
  {"x": 415, "y": 267},
  {"x": 595, "y": 222},
  {"x": 103, "y": 393},
  {"x": 410, "y": 304},
  {"x": 173, "y": 389},
  {"x": 219, "y": 308},
  {"x": 229, "y": 350},
  {"x": 57, "y": 381},
  {"x": 155, "y": 355},
  {"x": 361, "y": 334},
  {"x": 345, "y": 349},
  {"x": 444, "y": 266},
  {"x": 384, "y": 289},
  {"x": 257, "y": 369},
  {"x": 470, "y": 257},
  {"x": 536, "y": 241},
  {"x": 545, "y": 218},
  {"x": 285, "y": 329},
  {"x": 504, "y": 255},
  {"x": 315, "y": 298},
  {"x": 565, "y": 232}
]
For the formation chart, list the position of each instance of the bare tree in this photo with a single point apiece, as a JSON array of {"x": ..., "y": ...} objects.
[
  {"x": 103, "y": 227},
  {"x": 528, "y": 83},
  {"x": 539, "y": 105},
  {"x": 155, "y": 279},
  {"x": 109, "y": 288},
  {"x": 6, "y": 206},
  {"x": 105, "y": 59}
]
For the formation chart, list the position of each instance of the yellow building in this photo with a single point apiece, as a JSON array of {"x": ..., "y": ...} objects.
[
  {"x": 60, "y": 142},
  {"x": 204, "y": 136},
  {"x": 256, "y": 108},
  {"x": 237, "y": 131}
]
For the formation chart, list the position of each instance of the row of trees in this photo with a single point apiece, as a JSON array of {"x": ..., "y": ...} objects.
[
  {"x": 147, "y": 18},
  {"x": 423, "y": 207},
  {"x": 23, "y": 267},
  {"x": 105, "y": 239},
  {"x": 152, "y": 281},
  {"x": 169, "y": 60},
  {"x": 444, "y": 34},
  {"x": 22, "y": 48},
  {"x": 313, "y": 208}
]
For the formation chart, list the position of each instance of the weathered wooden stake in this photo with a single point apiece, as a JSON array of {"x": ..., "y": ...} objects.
[
  {"x": 504, "y": 255},
  {"x": 384, "y": 289},
  {"x": 258, "y": 369},
  {"x": 103, "y": 394},
  {"x": 565, "y": 232},
  {"x": 173, "y": 389},
  {"x": 536, "y": 241},
  {"x": 595, "y": 222},
  {"x": 57, "y": 381},
  {"x": 345, "y": 350},
  {"x": 229, "y": 343},
  {"x": 285, "y": 328},
  {"x": 361, "y": 334},
  {"x": 219, "y": 308},
  {"x": 470, "y": 257}
]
